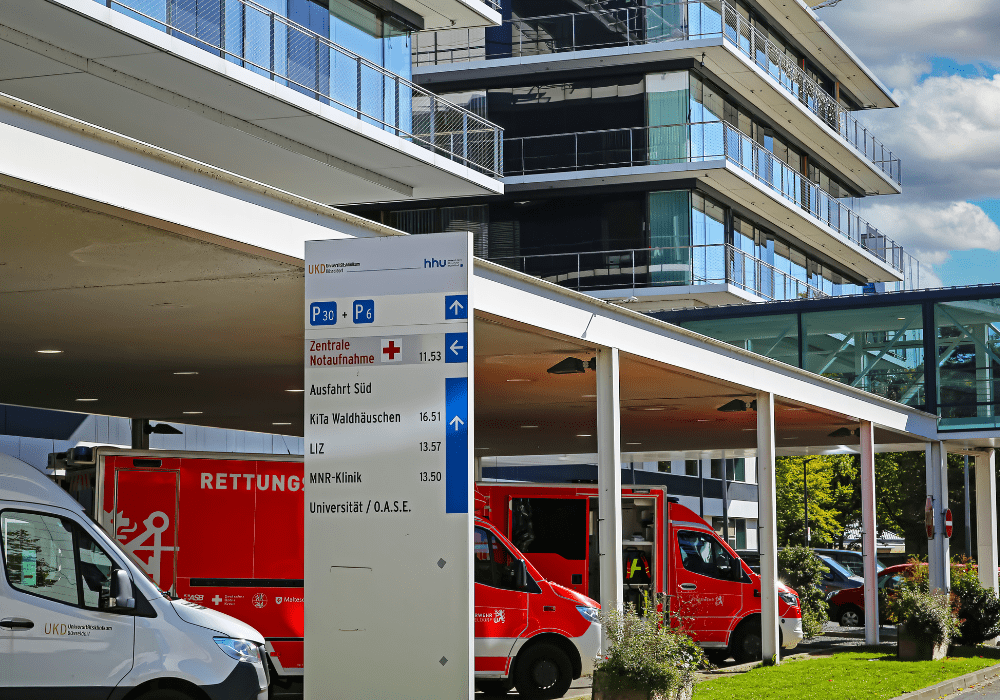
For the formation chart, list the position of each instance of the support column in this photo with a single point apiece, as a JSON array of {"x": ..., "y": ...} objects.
[
  {"x": 986, "y": 518},
  {"x": 140, "y": 438},
  {"x": 609, "y": 480},
  {"x": 767, "y": 527},
  {"x": 938, "y": 552},
  {"x": 869, "y": 531}
]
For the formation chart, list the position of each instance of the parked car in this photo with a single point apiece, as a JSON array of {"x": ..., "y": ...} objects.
[
  {"x": 847, "y": 606},
  {"x": 849, "y": 559},
  {"x": 838, "y": 577}
]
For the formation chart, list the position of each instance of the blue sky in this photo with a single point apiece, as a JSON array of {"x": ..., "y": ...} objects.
[{"x": 941, "y": 61}]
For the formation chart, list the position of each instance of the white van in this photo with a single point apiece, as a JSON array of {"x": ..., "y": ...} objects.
[{"x": 79, "y": 619}]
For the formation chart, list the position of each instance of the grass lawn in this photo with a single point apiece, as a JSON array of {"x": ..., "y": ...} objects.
[{"x": 844, "y": 676}]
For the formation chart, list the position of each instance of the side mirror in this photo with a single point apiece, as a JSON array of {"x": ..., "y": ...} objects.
[
  {"x": 520, "y": 575},
  {"x": 121, "y": 597}
]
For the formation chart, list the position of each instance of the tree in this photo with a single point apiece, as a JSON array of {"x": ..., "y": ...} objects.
[{"x": 823, "y": 514}]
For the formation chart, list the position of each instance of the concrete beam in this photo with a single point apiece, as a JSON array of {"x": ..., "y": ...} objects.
[
  {"x": 767, "y": 525},
  {"x": 986, "y": 518},
  {"x": 609, "y": 480},
  {"x": 938, "y": 551},
  {"x": 869, "y": 529}
]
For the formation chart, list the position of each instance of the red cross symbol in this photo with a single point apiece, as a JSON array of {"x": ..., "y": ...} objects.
[{"x": 390, "y": 349}]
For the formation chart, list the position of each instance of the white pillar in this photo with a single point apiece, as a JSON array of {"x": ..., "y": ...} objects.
[
  {"x": 869, "y": 531},
  {"x": 609, "y": 480},
  {"x": 938, "y": 553},
  {"x": 767, "y": 527},
  {"x": 986, "y": 518}
]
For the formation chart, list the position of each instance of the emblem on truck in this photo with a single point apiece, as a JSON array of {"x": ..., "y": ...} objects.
[{"x": 259, "y": 600}]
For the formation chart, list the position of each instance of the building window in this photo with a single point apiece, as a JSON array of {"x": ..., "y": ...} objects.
[
  {"x": 691, "y": 467},
  {"x": 737, "y": 531}
]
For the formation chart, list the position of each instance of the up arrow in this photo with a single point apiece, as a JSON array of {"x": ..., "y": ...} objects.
[
  {"x": 455, "y": 347},
  {"x": 455, "y": 306},
  {"x": 456, "y": 421}
]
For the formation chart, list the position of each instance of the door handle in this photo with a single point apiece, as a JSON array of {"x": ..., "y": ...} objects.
[
  {"x": 689, "y": 587},
  {"x": 16, "y": 623}
]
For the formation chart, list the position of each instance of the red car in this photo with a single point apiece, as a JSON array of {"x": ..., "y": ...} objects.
[{"x": 847, "y": 606}]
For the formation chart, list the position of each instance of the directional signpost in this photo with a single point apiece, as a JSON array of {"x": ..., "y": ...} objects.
[{"x": 388, "y": 475}]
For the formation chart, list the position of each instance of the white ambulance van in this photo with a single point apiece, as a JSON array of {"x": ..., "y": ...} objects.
[{"x": 79, "y": 619}]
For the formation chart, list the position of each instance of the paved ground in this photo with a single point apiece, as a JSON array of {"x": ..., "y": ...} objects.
[
  {"x": 985, "y": 691},
  {"x": 835, "y": 638}
]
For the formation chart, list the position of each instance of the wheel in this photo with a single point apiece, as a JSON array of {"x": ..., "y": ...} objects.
[
  {"x": 164, "y": 694},
  {"x": 717, "y": 656},
  {"x": 851, "y": 616},
  {"x": 493, "y": 686},
  {"x": 542, "y": 671},
  {"x": 746, "y": 645}
]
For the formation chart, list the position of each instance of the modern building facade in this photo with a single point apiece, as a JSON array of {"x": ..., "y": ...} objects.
[{"x": 672, "y": 154}]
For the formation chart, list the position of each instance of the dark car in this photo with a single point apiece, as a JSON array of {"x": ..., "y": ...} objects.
[
  {"x": 849, "y": 559},
  {"x": 838, "y": 578}
]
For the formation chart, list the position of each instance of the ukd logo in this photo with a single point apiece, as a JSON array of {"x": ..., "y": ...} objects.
[{"x": 260, "y": 600}]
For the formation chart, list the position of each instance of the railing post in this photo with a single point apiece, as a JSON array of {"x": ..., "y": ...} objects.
[
  {"x": 358, "y": 60},
  {"x": 465, "y": 137}
]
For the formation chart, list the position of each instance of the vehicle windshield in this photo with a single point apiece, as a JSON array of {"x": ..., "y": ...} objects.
[{"x": 837, "y": 566}]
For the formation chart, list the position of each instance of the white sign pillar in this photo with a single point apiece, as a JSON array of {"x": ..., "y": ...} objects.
[
  {"x": 609, "y": 481},
  {"x": 767, "y": 531},
  {"x": 869, "y": 526},
  {"x": 986, "y": 518},
  {"x": 938, "y": 553},
  {"x": 388, "y": 468}
]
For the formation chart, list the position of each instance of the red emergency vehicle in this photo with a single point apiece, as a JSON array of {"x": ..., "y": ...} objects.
[
  {"x": 226, "y": 531},
  {"x": 666, "y": 548}
]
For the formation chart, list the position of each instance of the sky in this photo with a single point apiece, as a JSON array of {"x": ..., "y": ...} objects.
[{"x": 940, "y": 60}]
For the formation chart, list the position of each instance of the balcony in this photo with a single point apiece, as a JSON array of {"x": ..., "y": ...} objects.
[
  {"x": 708, "y": 143},
  {"x": 659, "y": 26},
  {"x": 240, "y": 87},
  {"x": 677, "y": 271}
]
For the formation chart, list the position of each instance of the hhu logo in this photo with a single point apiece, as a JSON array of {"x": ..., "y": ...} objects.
[{"x": 434, "y": 262}]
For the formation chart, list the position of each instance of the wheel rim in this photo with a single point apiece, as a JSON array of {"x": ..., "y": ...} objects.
[
  {"x": 849, "y": 619},
  {"x": 545, "y": 673},
  {"x": 752, "y": 646}
]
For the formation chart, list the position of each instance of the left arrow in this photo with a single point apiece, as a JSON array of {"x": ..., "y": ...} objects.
[
  {"x": 456, "y": 421},
  {"x": 455, "y": 347}
]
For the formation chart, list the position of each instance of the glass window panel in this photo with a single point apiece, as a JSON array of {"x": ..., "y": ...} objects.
[
  {"x": 670, "y": 237},
  {"x": 703, "y": 554},
  {"x": 772, "y": 336},
  {"x": 968, "y": 363},
  {"x": 691, "y": 467},
  {"x": 95, "y": 571},
  {"x": 38, "y": 555}
]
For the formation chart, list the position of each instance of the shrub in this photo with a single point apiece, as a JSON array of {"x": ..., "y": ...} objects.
[
  {"x": 803, "y": 570},
  {"x": 979, "y": 607},
  {"x": 646, "y": 653},
  {"x": 930, "y": 616}
]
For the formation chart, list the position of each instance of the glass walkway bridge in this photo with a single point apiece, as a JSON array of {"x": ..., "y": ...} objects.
[{"x": 936, "y": 349}]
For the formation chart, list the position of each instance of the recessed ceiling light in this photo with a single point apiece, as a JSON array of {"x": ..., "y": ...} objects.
[
  {"x": 703, "y": 420},
  {"x": 294, "y": 391},
  {"x": 748, "y": 430},
  {"x": 482, "y": 448},
  {"x": 280, "y": 423},
  {"x": 590, "y": 396},
  {"x": 86, "y": 399},
  {"x": 901, "y": 318},
  {"x": 49, "y": 352},
  {"x": 518, "y": 380},
  {"x": 584, "y": 435},
  {"x": 633, "y": 443},
  {"x": 529, "y": 426},
  {"x": 192, "y": 413},
  {"x": 653, "y": 408},
  {"x": 185, "y": 373}
]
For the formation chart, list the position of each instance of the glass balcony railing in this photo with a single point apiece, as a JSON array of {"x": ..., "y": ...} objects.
[
  {"x": 269, "y": 44},
  {"x": 662, "y": 267},
  {"x": 655, "y": 23},
  {"x": 692, "y": 143}
]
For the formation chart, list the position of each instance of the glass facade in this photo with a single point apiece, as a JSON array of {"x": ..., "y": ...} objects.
[{"x": 881, "y": 344}]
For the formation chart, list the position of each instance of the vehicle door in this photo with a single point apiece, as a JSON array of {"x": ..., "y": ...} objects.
[
  {"x": 552, "y": 533},
  {"x": 501, "y": 609},
  {"x": 709, "y": 584},
  {"x": 56, "y": 581},
  {"x": 145, "y": 519}
]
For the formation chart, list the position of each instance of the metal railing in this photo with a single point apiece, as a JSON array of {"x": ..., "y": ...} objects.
[
  {"x": 265, "y": 42},
  {"x": 655, "y": 23},
  {"x": 691, "y": 143},
  {"x": 634, "y": 268}
]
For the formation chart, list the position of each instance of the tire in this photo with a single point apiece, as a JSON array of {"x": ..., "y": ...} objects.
[
  {"x": 493, "y": 686},
  {"x": 542, "y": 671},
  {"x": 717, "y": 656},
  {"x": 164, "y": 694},
  {"x": 851, "y": 616},
  {"x": 747, "y": 644}
]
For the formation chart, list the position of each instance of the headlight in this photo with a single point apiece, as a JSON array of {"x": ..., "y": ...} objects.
[
  {"x": 789, "y": 598},
  {"x": 591, "y": 614},
  {"x": 830, "y": 595},
  {"x": 239, "y": 649}
]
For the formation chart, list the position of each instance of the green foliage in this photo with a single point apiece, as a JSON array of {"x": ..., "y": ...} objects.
[
  {"x": 927, "y": 615},
  {"x": 824, "y": 518},
  {"x": 979, "y": 607},
  {"x": 842, "y": 676},
  {"x": 645, "y": 653},
  {"x": 801, "y": 569}
]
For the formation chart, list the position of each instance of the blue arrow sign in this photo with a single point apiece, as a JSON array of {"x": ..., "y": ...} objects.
[
  {"x": 456, "y": 306},
  {"x": 456, "y": 347},
  {"x": 456, "y": 445}
]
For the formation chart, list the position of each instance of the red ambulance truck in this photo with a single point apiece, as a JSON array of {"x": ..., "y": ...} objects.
[
  {"x": 666, "y": 548},
  {"x": 226, "y": 531}
]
